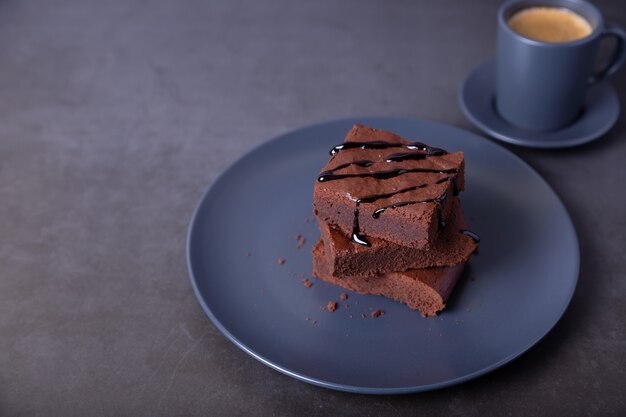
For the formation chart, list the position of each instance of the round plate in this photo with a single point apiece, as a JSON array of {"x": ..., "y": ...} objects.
[
  {"x": 600, "y": 112},
  {"x": 513, "y": 292}
]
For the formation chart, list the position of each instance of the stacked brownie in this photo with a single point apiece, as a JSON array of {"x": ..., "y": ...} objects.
[{"x": 390, "y": 219}]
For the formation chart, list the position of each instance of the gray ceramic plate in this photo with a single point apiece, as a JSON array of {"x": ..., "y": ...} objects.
[{"x": 514, "y": 292}]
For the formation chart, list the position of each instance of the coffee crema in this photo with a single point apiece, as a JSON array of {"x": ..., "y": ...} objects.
[{"x": 550, "y": 24}]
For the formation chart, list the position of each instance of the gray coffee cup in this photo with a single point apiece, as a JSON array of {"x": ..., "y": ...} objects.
[{"x": 542, "y": 85}]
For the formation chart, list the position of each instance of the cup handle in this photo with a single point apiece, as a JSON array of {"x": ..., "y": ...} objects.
[{"x": 619, "y": 54}]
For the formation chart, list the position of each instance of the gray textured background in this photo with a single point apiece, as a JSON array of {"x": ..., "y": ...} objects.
[{"x": 116, "y": 115}]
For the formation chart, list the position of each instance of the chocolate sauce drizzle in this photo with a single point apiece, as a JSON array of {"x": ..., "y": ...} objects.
[
  {"x": 471, "y": 234},
  {"x": 357, "y": 237},
  {"x": 380, "y": 175},
  {"x": 329, "y": 175},
  {"x": 381, "y": 144},
  {"x": 439, "y": 200}
]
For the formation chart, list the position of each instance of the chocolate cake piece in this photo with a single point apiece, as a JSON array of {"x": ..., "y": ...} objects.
[
  {"x": 345, "y": 257},
  {"x": 379, "y": 185},
  {"x": 426, "y": 290}
]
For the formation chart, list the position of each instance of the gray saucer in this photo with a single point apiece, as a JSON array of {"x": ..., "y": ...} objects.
[
  {"x": 476, "y": 97},
  {"x": 514, "y": 291}
]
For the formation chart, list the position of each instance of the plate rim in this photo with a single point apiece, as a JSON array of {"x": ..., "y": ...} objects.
[{"x": 375, "y": 390}]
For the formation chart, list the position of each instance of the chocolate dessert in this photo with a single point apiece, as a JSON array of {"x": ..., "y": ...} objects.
[
  {"x": 390, "y": 219},
  {"x": 347, "y": 258},
  {"x": 380, "y": 185},
  {"x": 425, "y": 290}
]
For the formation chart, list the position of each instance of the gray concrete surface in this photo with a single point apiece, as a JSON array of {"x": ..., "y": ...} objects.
[{"x": 116, "y": 115}]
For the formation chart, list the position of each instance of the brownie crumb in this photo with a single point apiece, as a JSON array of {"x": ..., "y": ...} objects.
[
  {"x": 343, "y": 296},
  {"x": 331, "y": 306},
  {"x": 280, "y": 261},
  {"x": 377, "y": 313},
  {"x": 301, "y": 241},
  {"x": 307, "y": 283}
]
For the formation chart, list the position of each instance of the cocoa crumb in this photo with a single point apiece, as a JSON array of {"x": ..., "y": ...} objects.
[
  {"x": 343, "y": 296},
  {"x": 301, "y": 241},
  {"x": 331, "y": 306},
  {"x": 377, "y": 313},
  {"x": 280, "y": 261},
  {"x": 307, "y": 283}
]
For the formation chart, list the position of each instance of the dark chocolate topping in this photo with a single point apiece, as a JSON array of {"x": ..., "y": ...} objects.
[
  {"x": 439, "y": 200},
  {"x": 329, "y": 175},
  {"x": 440, "y": 219},
  {"x": 375, "y": 197},
  {"x": 406, "y": 156},
  {"x": 412, "y": 156},
  {"x": 357, "y": 237},
  {"x": 471, "y": 234},
  {"x": 381, "y": 144},
  {"x": 381, "y": 175}
]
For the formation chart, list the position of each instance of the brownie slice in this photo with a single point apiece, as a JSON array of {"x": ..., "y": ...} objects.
[
  {"x": 426, "y": 290},
  {"x": 392, "y": 190},
  {"x": 345, "y": 257}
]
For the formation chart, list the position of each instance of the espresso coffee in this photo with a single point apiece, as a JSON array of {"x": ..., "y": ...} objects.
[{"x": 550, "y": 24}]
